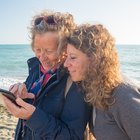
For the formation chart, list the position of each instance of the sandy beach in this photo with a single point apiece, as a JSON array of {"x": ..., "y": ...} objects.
[{"x": 7, "y": 124}]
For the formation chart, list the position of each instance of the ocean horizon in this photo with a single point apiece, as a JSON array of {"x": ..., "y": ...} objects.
[{"x": 13, "y": 62}]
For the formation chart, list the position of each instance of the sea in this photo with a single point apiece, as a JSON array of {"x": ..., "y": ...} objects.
[{"x": 13, "y": 62}]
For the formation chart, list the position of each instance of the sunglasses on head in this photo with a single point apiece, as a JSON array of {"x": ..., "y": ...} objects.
[{"x": 48, "y": 19}]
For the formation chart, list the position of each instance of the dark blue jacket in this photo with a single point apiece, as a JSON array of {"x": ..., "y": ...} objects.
[{"x": 56, "y": 117}]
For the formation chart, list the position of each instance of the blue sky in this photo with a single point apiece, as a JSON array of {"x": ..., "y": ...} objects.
[{"x": 121, "y": 17}]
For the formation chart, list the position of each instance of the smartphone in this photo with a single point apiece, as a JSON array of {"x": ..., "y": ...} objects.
[{"x": 8, "y": 94}]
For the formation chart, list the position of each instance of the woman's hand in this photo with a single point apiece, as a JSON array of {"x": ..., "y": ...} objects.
[
  {"x": 22, "y": 111},
  {"x": 20, "y": 90}
]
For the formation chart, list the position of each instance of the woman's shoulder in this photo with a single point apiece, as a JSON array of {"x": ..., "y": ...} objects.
[
  {"x": 125, "y": 90},
  {"x": 126, "y": 93}
]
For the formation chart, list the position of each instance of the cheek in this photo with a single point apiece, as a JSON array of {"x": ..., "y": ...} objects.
[
  {"x": 37, "y": 54},
  {"x": 79, "y": 70},
  {"x": 82, "y": 70},
  {"x": 53, "y": 58}
]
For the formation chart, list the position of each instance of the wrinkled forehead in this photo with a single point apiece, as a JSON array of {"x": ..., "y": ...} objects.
[{"x": 47, "y": 40}]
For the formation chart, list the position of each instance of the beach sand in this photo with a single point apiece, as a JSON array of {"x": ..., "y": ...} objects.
[{"x": 7, "y": 124}]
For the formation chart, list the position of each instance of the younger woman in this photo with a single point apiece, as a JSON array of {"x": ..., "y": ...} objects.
[{"x": 92, "y": 61}]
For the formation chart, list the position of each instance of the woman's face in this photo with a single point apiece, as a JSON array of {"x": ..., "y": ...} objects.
[
  {"x": 77, "y": 63},
  {"x": 45, "y": 48}
]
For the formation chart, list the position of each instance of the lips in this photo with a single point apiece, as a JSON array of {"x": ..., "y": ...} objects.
[
  {"x": 44, "y": 63},
  {"x": 46, "y": 66}
]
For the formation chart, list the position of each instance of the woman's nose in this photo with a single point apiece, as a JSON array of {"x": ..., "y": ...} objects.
[
  {"x": 42, "y": 55},
  {"x": 66, "y": 63}
]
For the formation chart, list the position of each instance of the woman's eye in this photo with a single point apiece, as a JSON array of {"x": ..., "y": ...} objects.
[
  {"x": 37, "y": 50},
  {"x": 73, "y": 57},
  {"x": 49, "y": 52}
]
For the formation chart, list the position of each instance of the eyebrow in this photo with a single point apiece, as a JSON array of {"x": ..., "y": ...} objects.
[{"x": 72, "y": 54}]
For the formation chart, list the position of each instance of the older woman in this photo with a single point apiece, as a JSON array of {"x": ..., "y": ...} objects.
[
  {"x": 92, "y": 61},
  {"x": 53, "y": 110}
]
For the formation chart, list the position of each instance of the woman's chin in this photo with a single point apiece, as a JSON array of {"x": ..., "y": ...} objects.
[
  {"x": 75, "y": 79},
  {"x": 46, "y": 68}
]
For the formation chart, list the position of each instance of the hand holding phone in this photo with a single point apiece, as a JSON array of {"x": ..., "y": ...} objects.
[{"x": 8, "y": 94}]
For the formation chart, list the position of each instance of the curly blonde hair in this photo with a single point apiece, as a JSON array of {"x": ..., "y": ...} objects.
[
  {"x": 103, "y": 73},
  {"x": 50, "y": 21}
]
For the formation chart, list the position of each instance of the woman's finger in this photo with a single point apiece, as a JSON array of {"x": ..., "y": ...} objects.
[{"x": 22, "y": 90}]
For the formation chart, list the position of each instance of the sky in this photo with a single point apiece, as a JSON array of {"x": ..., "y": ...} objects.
[{"x": 120, "y": 17}]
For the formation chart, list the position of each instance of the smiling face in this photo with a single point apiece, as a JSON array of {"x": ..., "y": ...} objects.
[
  {"x": 45, "y": 48},
  {"x": 77, "y": 63}
]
